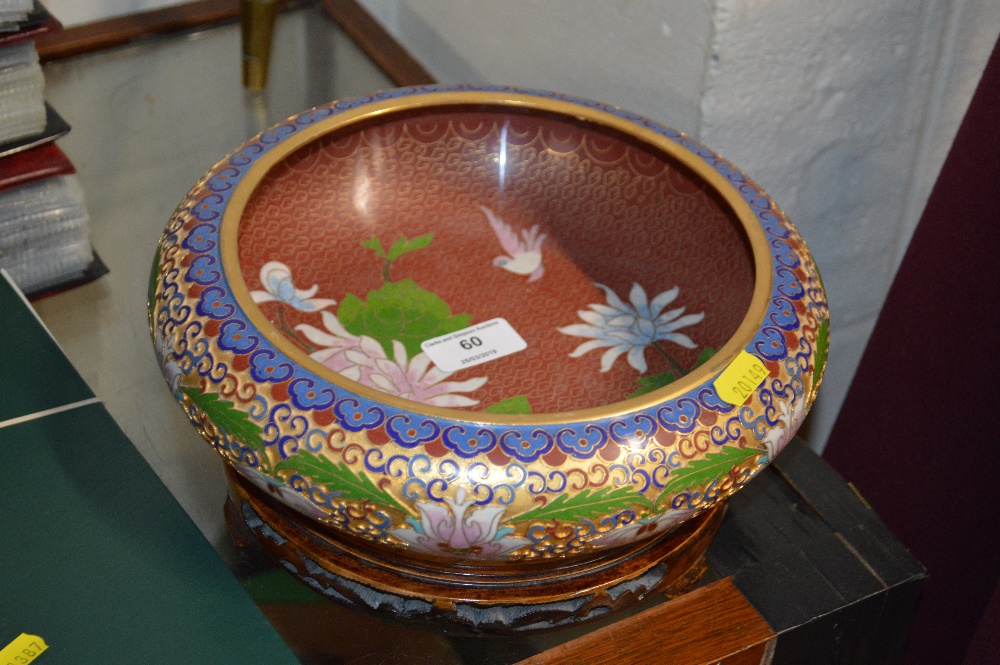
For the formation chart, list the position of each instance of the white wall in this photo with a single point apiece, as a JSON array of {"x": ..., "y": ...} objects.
[
  {"x": 843, "y": 111},
  {"x": 650, "y": 57}
]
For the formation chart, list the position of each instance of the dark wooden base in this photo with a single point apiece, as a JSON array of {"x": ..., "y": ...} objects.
[{"x": 520, "y": 597}]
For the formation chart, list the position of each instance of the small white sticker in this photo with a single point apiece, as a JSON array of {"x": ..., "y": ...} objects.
[{"x": 474, "y": 345}]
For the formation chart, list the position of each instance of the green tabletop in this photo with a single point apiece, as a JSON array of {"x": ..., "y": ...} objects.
[
  {"x": 36, "y": 375},
  {"x": 96, "y": 557}
]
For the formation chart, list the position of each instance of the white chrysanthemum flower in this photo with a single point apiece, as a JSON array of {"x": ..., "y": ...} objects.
[{"x": 630, "y": 328}]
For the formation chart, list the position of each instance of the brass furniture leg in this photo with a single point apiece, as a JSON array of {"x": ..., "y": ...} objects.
[{"x": 257, "y": 26}]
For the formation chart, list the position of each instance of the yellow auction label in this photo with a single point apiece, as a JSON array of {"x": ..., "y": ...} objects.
[
  {"x": 743, "y": 376},
  {"x": 24, "y": 649}
]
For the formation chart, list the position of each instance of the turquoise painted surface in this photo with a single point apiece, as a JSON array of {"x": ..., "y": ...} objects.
[
  {"x": 35, "y": 373},
  {"x": 101, "y": 562}
]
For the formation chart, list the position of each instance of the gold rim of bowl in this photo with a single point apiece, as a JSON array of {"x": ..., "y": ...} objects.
[{"x": 763, "y": 278}]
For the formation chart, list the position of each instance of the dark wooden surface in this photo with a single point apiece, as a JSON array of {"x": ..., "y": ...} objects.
[
  {"x": 123, "y": 30},
  {"x": 819, "y": 565},
  {"x": 798, "y": 546}
]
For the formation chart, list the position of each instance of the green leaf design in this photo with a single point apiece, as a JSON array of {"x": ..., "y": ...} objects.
[
  {"x": 375, "y": 244},
  {"x": 337, "y": 477},
  {"x": 404, "y": 246},
  {"x": 235, "y": 423},
  {"x": 516, "y": 404},
  {"x": 585, "y": 505},
  {"x": 703, "y": 357},
  {"x": 704, "y": 471},
  {"x": 398, "y": 249},
  {"x": 819, "y": 276},
  {"x": 648, "y": 384},
  {"x": 400, "y": 311},
  {"x": 822, "y": 347}
]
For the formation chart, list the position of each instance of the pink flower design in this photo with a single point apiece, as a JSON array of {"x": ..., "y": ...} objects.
[
  {"x": 362, "y": 359},
  {"x": 416, "y": 379},
  {"x": 451, "y": 528},
  {"x": 790, "y": 419},
  {"x": 350, "y": 355}
]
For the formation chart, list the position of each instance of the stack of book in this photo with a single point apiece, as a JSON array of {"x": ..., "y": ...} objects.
[
  {"x": 44, "y": 226},
  {"x": 13, "y": 13}
]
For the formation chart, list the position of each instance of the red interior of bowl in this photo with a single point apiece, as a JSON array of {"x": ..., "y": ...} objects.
[{"x": 615, "y": 212}]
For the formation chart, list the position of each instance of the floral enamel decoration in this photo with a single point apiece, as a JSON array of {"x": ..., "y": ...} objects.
[
  {"x": 276, "y": 278},
  {"x": 383, "y": 355},
  {"x": 172, "y": 371},
  {"x": 454, "y": 529},
  {"x": 363, "y": 359},
  {"x": 631, "y": 328},
  {"x": 352, "y": 356},
  {"x": 522, "y": 478},
  {"x": 418, "y": 380},
  {"x": 524, "y": 251},
  {"x": 789, "y": 419}
]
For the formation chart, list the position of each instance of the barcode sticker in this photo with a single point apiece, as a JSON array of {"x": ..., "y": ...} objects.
[{"x": 474, "y": 345}]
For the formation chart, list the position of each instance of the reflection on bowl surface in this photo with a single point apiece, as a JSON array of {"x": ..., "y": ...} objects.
[
  {"x": 531, "y": 218},
  {"x": 487, "y": 326}
]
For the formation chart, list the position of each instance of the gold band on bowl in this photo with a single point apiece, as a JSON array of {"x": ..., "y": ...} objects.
[{"x": 763, "y": 270}]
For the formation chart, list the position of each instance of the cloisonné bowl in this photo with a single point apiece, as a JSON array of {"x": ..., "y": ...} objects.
[{"x": 487, "y": 325}]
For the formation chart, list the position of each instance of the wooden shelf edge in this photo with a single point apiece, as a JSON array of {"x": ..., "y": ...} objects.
[
  {"x": 370, "y": 36},
  {"x": 123, "y": 30},
  {"x": 377, "y": 43},
  {"x": 712, "y": 625}
]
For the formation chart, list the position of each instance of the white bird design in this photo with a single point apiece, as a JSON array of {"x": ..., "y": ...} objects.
[{"x": 524, "y": 251}]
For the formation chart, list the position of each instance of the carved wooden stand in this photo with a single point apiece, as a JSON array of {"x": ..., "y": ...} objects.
[{"x": 524, "y": 597}]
